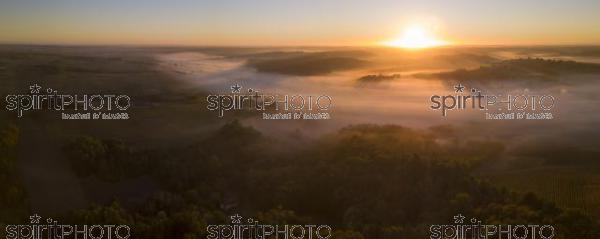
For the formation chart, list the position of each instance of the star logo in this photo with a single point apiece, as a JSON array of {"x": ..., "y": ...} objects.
[
  {"x": 459, "y": 218},
  {"x": 237, "y": 219},
  {"x": 35, "y": 218},
  {"x": 459, "y": 88},
  {"x": 35, "y": 89},
  {"x": 236, "y": 88}
]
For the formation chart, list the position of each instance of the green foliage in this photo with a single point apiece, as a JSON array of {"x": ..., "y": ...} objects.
[
  {"x": 366, "y": 181},
  {"x": 107, "y": 159},
  {"x": 280, "y": 216},
  {"x": 13, "y": 199}
]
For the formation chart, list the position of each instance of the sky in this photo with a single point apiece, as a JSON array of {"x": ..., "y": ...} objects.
[{"x": 295, "y": 22}]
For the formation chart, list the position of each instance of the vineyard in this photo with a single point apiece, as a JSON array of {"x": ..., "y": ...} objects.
[{"x": 568, "y": 187}]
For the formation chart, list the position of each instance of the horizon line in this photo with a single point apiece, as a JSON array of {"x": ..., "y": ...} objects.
[{"x": 145, "y": 45}]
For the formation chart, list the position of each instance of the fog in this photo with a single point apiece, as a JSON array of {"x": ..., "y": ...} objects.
[{"x": 405, "y": 100}]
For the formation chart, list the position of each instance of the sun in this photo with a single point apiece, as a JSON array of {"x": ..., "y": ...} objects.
[{"x": 416, "y": 37}]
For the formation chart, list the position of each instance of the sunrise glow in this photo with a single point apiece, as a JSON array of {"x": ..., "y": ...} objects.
[{"x": 416, "y": 37}]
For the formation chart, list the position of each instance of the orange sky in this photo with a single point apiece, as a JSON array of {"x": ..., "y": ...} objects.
[{"x": 286, "y": 22}]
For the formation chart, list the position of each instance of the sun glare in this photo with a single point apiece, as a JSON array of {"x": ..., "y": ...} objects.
[{"x": 416, "y": 37}]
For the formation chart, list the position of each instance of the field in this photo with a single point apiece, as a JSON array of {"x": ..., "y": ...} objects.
[{"x": 568, "y": 187}]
